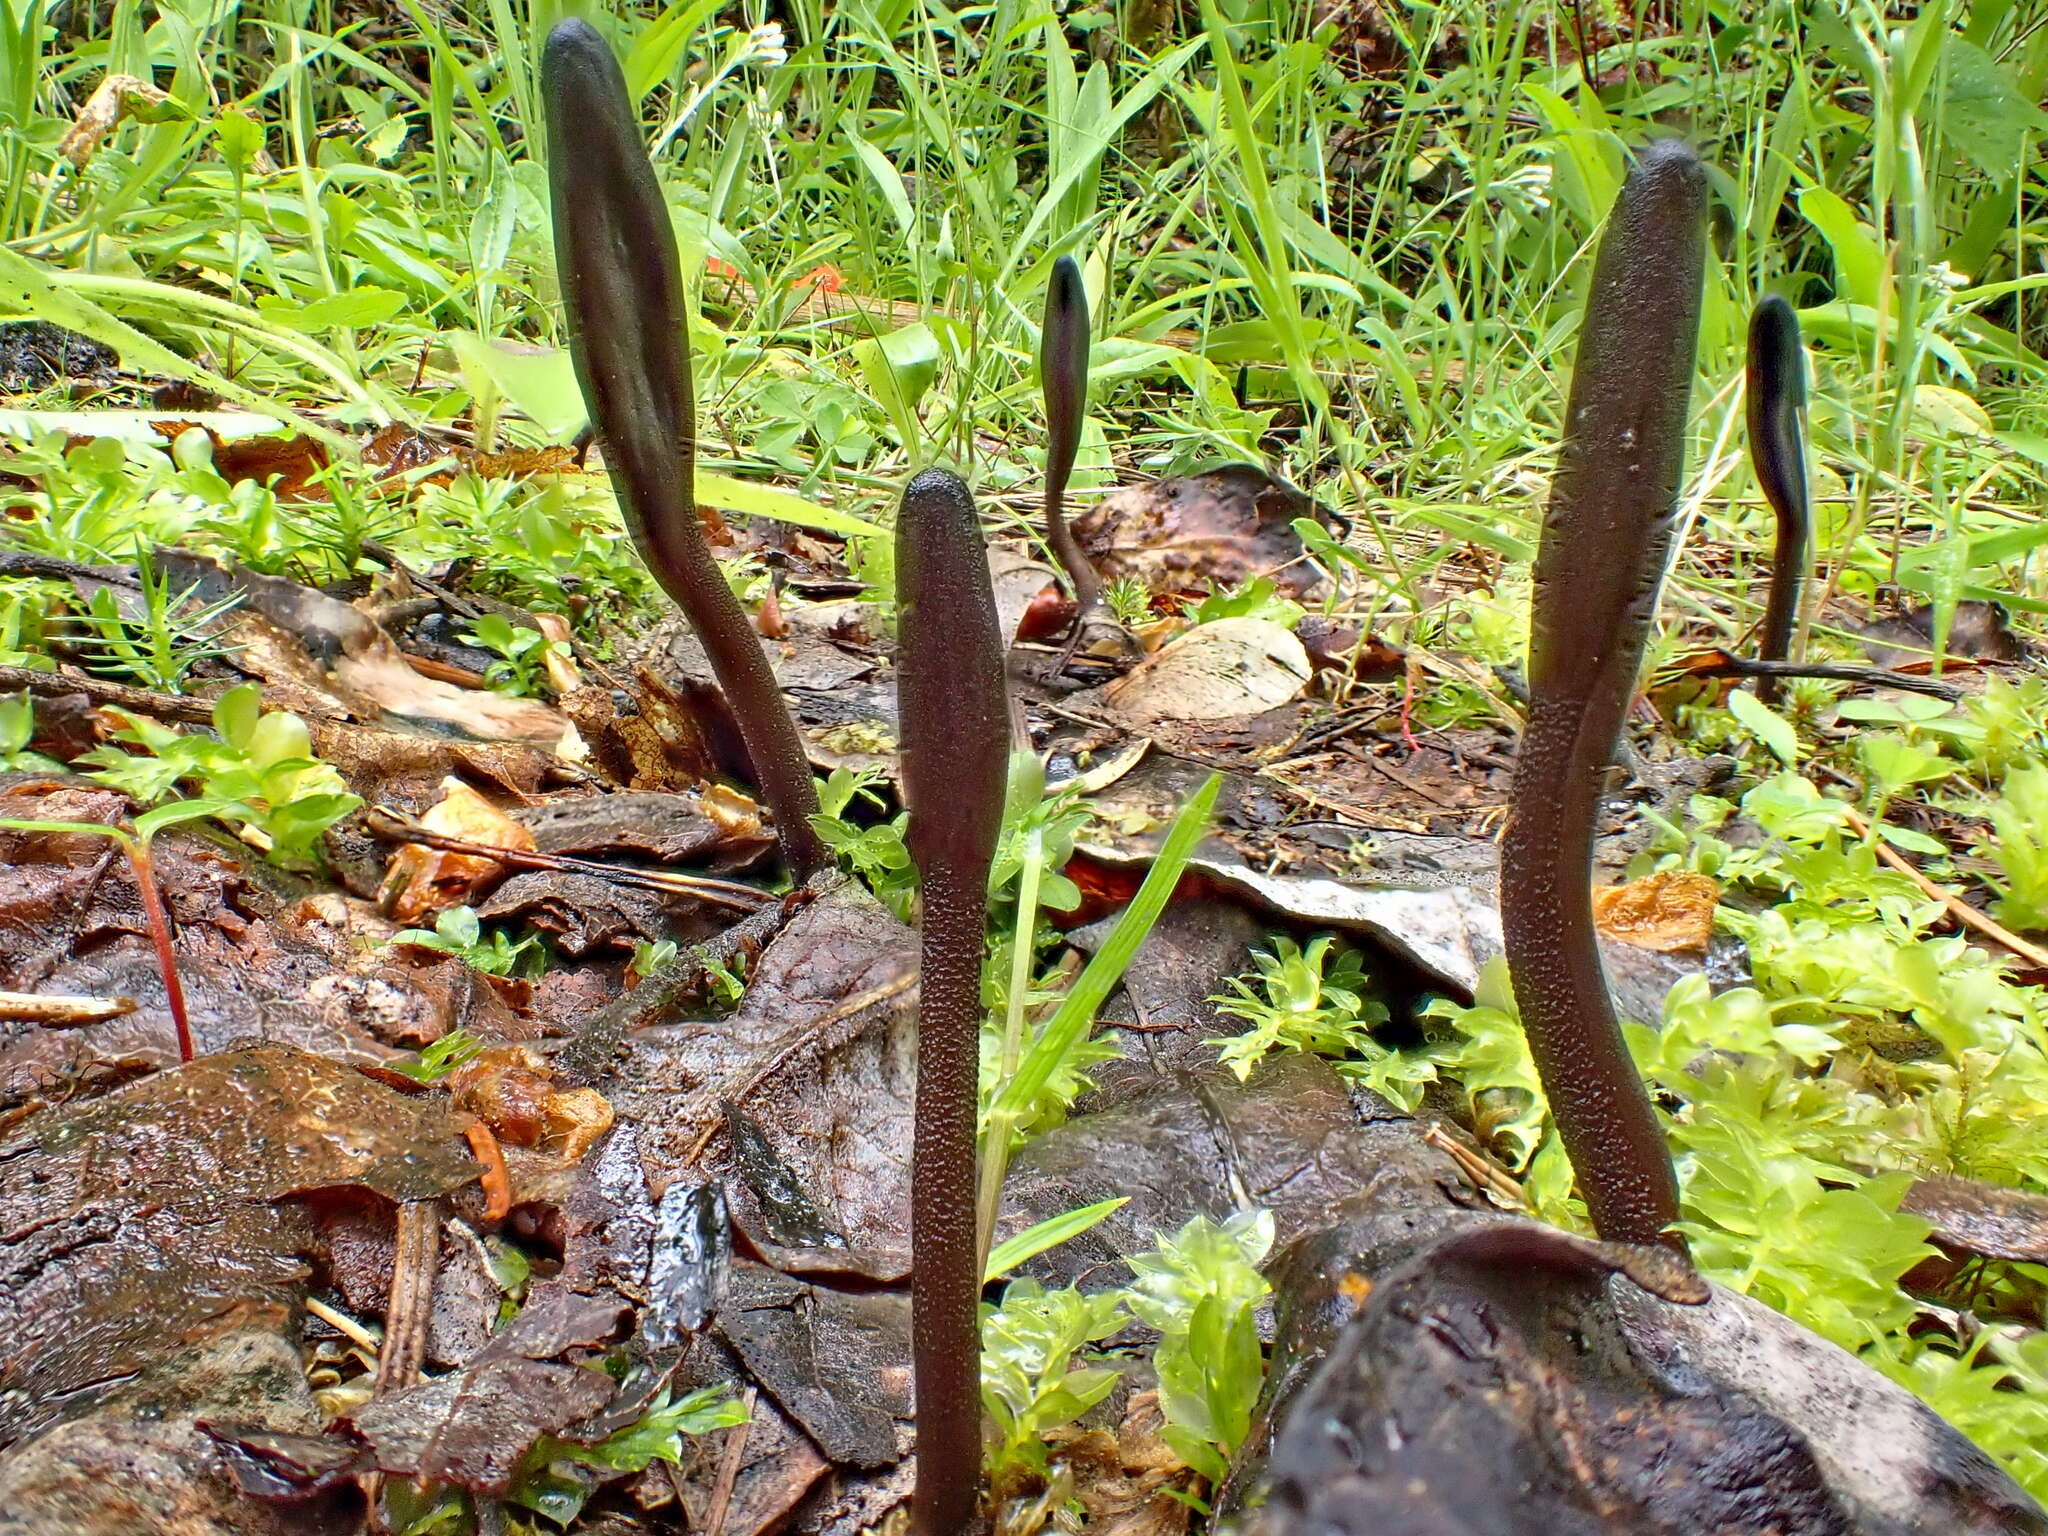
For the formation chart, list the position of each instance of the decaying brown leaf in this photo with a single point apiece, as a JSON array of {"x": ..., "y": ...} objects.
[
  {"x": 116, "y": 97},
  {"x": 1216, "y": 671},
  {"x": 511, "y": 1088}
]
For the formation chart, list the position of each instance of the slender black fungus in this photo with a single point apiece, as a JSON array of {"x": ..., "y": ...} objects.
[
  {"x": 1775, "y": 404},
  {"x": 616, "y": 255},
  {"x": 1605, "y": 539},
  {"x": 954, "y": 712},
  {"x": 1063, "y": 370}
]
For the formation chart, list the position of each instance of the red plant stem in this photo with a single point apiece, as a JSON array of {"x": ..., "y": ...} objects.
[{"x": 159, "y": 920}]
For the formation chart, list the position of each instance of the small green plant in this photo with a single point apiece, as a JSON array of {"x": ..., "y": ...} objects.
[
  {"x": 877, "y": 854},
  {"x": 442, "y": 1056},
  {"x": 21, "y": 634},
  {"x": 1305, "y": 1000},
  {"x": 459, "y": 932},
  {"x": 1199, "y": 1288},
  {"x": 521, "y": 668},
  {"x": 257, "y": 774},
  {"x": 17, "y": 730},
  {"x": 553, "y": 1481},
  {"x": 1255, "y": 599},
  {"x": 2019, "y": 846},
  {"x": 1129, "y": 600},
  {"x": 1030, "y": 1384},
  {"x": 160, "y": 645}
]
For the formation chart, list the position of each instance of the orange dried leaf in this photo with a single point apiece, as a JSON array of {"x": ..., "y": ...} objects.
[
  {"x": 421, "y": 881},
  {"x": 1671, "y": 911}
]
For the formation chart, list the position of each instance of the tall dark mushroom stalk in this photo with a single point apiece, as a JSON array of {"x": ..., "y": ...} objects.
[
  {"x": 953, "y": 707},
  {"x": 1063, "y": 374},
  {"x": 1775, "y": 404},
  {"x": 1606, "y": 536},
  {"x": 616, "y": 255}
]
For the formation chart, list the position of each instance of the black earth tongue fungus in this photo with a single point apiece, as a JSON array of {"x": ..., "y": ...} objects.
[
  {"x": 622, "y": 286},
  {"x": 1063, "y": 372},
  {"x": 1605, "y": 538},
  {"x": 954, "y": 712},
  {"x": 1774, "y": 403}
]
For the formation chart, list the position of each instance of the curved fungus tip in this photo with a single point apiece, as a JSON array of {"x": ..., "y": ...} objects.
[
  {"x": 615, "y": 254},
  {"x": 1774, "y": 407},
  {"x": 1063, "y": 373}
]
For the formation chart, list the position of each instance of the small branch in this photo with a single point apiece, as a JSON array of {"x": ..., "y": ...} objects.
[
  {"x": 1869, "y": 677},
  {"x": 1958, "y": 908},
  {"x": 389, "y": 826}
]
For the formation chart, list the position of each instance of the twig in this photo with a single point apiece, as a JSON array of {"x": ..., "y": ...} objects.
[
  {"x": 729, "y": 1469},
  {"x": 389, "y": 826},
  {"x": 496, "y": 1179},
  {"x": 411, "y": 1308},
  {"x": 587, "y": 1057},
  {"x": 158, "y": 706},
  {"x": 57, "y": 1011},
  {"x": 1869, "y": 677},
  {"x": 1958, "y": 908},
  {"x": 790, "y": 1044}
]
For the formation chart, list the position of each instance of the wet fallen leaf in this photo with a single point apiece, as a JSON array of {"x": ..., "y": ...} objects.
[
  {"x": 511, "y": 1089},
  {"x": 1212, "y": 530},
  {"x": 422, "y": 881},
  {"x": 1215, "y": 671}
]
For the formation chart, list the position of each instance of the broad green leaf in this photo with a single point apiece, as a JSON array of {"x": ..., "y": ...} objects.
[
  {"x": 1772, "y": 729},
  {"x": 1859, "y": 260}
]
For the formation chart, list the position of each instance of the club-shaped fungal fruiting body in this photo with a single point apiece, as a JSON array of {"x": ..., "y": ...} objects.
[
  {"x": 1775, "y": 403},
  {"x": 953, "y": 710},
  {"x": 616, "y": 255},
  {"x": 1606, "y": 535},
  {"x": 1063, "y": 372}
]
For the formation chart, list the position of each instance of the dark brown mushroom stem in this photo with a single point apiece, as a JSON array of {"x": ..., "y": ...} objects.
[
  {"x": 953, "y": 708},
  {"x": 1063, "y": 371},
  {"x": 1605, "y": 538},
  {"x": 1775, "y": 403},
  {"x": 622, "y": 287}
]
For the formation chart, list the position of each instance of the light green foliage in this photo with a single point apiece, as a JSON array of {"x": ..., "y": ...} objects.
[
  {"x": 2019, "y": 818},
  {"x": 442, "y": 1056},
  {"x": 156, "y": 640},
  {"x": 1305, "y": 1000},
  {"x": 876, "y": 853},
  {"x": 1198, "y": 1288},
  {"x": 256, "y": 773},
  {"x": 1255, "y": 599},
  {"x": 1129, "y": 598},
  {"x": 1029, "y": 1382},
  {"x": 17, "y": 729},
  {"x": 553, "y": 1480},
  {"x": 460, "y": 933},
  {"x": 20, "y": 633},
  {"x": 521, "y": 668}
]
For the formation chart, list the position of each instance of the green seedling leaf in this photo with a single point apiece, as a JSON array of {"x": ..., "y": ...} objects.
[
  {"x": 540, "y": 381},
  {"x": 752, "y": 500},
  {"x": 356, "y": 310},
  {"x": 1050, "y": 1233},
  {"x": 1859, "y": 259},
  {"x": 1076, "y": 1014},
  {"x": 1983, "y": 113},
  {"x": 898, "y": 368},
  {"x": 1768, "y": 727}
]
